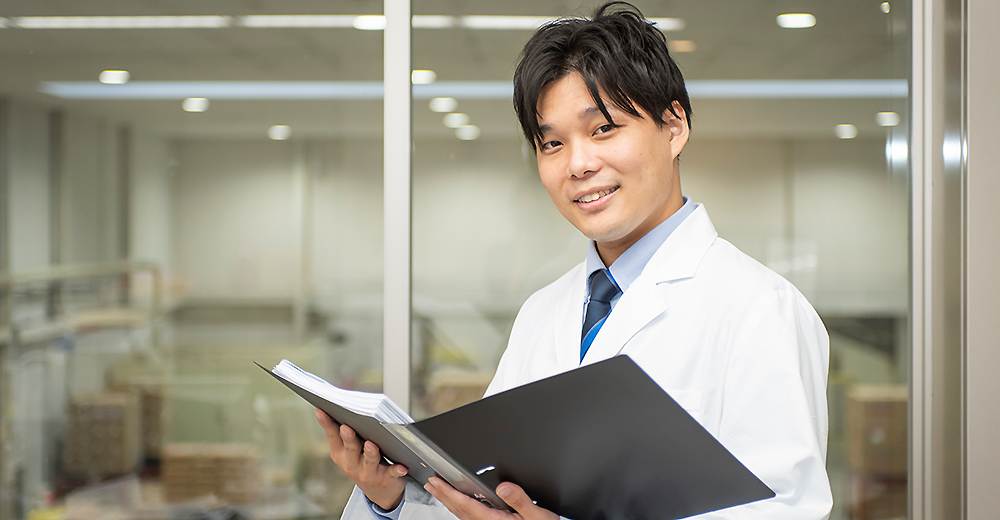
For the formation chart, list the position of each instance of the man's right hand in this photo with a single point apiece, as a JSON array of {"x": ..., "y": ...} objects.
[{"x": 381, "y": 483}]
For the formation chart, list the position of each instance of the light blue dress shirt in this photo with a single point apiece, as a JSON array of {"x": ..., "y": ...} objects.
[{"x": 630, "y": 264}]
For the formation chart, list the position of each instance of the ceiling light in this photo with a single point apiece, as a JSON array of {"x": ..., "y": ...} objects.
[
  {"x": 504, "y": 22},
  {"x": 120, "y": 22},
  {"x": 796, "y": 20},
  {"x": 885, "y": 7},
  {"x": 845, "y": 131},
  {"x": 887, "y": 118},
  {"x": 369, "y": 22},
  {"x": 195, "y": 104},
  {"x": 467, "y": 132},
  {"x": 455, "y": 120},
  {"x": 443, "y": 104},
  {"x": 279, "y": 132},
  {"x": 668, "y": 24},
  {"x": 423, "y": 21},
  {"x": 114, "y": 77},
  {"x": 3, "y": 23},
  {"x": 373, "y": 90},
  {"x": 297, "y": 20},
  {"x": 423, "y": 77},
  {"x": 681, "y": 46}
]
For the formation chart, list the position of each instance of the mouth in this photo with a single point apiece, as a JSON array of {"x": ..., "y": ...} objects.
[{"x": 591, "y": 197}]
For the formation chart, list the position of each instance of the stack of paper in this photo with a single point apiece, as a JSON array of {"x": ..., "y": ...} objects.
[{"x": 369, "y": 404}]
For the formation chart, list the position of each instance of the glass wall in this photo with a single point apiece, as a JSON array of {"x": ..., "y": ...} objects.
[
  {"x": 798, "y": 152},
  {"x": 195, "y": 187},
  {"x": 192, "y": 187}
]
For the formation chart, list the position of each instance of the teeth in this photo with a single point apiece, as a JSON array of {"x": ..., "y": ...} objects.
[{"x": 594, "y": 196}]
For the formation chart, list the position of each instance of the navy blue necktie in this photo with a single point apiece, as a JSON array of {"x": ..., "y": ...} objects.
[{"x": 602, "y": 290}]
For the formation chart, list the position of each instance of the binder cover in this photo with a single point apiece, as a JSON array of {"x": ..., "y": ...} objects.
[{"x": 603, "y": 441}]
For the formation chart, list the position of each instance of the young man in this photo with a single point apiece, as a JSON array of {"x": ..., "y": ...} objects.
[{"x": 736, "y": 345}]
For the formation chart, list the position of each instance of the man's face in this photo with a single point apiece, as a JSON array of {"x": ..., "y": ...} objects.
[{"x": 613, "y": 182}]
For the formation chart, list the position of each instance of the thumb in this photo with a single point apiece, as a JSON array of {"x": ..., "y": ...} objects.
[{"x": 515, "y": 497}]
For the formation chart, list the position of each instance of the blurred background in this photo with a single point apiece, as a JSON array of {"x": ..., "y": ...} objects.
[{"x": 195, "y": 186}]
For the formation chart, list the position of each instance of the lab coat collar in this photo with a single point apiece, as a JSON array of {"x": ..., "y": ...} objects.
[{"x": 676, "y": 260}]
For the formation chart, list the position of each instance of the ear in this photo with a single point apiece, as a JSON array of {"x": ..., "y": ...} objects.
[{"x": 677, "y": 127}]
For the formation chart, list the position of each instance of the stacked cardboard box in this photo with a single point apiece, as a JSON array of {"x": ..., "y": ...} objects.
[
  {"x": 231, "y": 472},
  {"x": 102, "y": 435},
  {"x": 151, "y": 415},
  {"x": 876, "y": 430},
  {"x": 450, "y": 389},
  {"x": 877, "y": 450}
]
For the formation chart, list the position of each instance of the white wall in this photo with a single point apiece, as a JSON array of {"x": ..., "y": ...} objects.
[
  {"x": 486, "y": 232},
  {"x": 29, "y": 188},
  {"x": 152, "y": 196},
  {"x": 90, "y": 195},
  {"x": 233, "y": 235},
  {"x": 785, "y": 201}
]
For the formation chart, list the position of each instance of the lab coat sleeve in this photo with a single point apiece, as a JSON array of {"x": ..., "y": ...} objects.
[{"x": 775, "y": 414}]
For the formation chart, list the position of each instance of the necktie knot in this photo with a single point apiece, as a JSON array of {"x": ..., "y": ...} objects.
[{"x": 602, "y": 290}]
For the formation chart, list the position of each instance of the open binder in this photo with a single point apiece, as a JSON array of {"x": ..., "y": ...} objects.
[{"x": 603, "y": 441}]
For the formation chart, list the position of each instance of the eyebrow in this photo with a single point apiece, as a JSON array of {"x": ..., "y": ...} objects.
[{"x": 583, "y": 114}]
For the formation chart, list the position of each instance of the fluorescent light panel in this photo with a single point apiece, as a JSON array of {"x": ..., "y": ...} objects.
[
  {"x": 120, "y": 22},
  {"x": 360, "y": 90},
  {"x": 364, "y": 22}
]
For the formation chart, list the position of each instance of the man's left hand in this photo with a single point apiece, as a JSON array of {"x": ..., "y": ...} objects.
[{"x": 468, "y": 508}]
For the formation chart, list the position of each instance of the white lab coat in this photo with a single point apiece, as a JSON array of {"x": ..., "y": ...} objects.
[{"x": 732, "y": 342}]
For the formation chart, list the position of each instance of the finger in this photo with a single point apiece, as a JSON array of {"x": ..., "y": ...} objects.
[
  {"x": 371, "y": 458},
  {"x": 519, "y": 500},
  {"x": 459, "y": 503},
  {"x": 350, "y": 440},
  {"x": 331, "y": 428}
]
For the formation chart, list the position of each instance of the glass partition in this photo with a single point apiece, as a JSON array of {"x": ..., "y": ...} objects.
[
  {"x": 194, "y": 188},
  {"x": 798, "y": 151}
]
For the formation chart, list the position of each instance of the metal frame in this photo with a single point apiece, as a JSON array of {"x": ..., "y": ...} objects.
[
  {"x": 982, "y": 296},
  {"x": 397, "y": 203}
]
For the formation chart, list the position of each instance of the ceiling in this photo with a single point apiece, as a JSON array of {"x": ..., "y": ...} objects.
[{"x": 735, "y": 40}]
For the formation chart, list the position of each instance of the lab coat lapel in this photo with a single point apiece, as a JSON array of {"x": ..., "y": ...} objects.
[
  {"x": 569, "y": 314},
  {"x": 676, "y": 260}
]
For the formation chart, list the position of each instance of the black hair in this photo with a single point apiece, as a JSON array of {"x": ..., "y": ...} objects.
[{"x": 617, "y": 51}]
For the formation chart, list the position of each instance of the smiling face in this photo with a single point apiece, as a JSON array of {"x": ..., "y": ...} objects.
[{"x": 613, "y": 182}]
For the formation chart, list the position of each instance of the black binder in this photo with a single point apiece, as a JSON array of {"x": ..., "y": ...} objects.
[{"x": 603, "y": 441}]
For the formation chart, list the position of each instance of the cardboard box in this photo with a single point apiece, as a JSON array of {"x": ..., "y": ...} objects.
[
  {"x": 102, "y": 435},
  {"x": 230, "y": 472},
  {"x": 877, "y": 430}
]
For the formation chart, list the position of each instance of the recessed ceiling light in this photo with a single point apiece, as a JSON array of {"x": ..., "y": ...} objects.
[
  {"x": 467, "y": 132},
  {"x": 195, "y": 104},
  {"x": 443, "y": 104},
  {"x": 845, "y": 131},
  {"x": 297, "y": 20},
  {"x": 114, "y": 77},
  {"x": 796, "y": 20},
  {"x": 885, "y": 7},
  {"x": 121, "y": 22},
  {"x": 369, "y": 23},
  {"x": 423, "y": 77},
  {"x": 455, "y": 120},
  {"x": 681, "y": 46},
  {"x": 887, "y": 118},
  {"x": 279, "y": 132}
]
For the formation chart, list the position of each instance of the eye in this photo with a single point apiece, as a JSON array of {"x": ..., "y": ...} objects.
[
  {"x": 603, "y": 129},
  {"x": 550, "y": 145}
]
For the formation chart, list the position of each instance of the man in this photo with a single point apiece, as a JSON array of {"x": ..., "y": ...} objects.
[{"x": 736, "y": 345}]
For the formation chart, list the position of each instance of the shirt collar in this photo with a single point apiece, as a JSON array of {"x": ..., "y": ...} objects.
[{"x": 630, "y": 264}]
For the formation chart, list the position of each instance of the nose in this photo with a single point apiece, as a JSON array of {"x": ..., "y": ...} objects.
[{"x": 583, "y": 160}]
